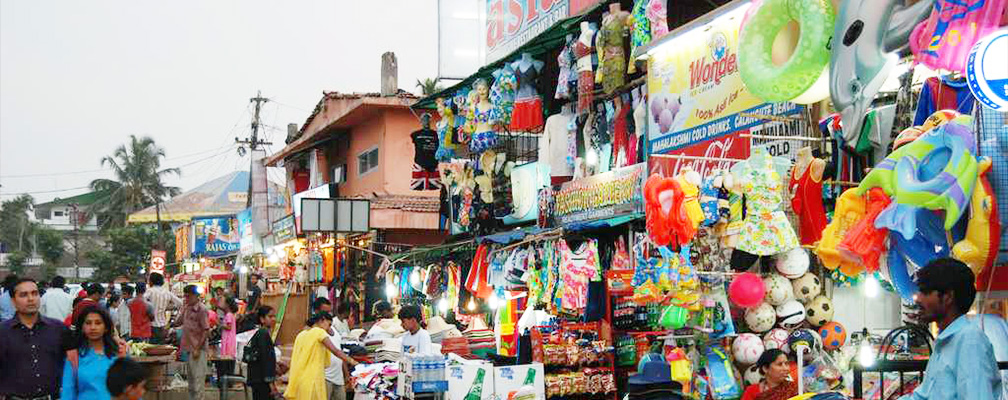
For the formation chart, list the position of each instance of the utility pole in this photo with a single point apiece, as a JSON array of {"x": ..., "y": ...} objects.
[
  {"x": 73, "y": 219},
  {"x": 254, "y": 143}
]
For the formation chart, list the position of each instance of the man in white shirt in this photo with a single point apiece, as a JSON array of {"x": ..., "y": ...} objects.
[
  {"x": 57, "y": 303},
  {"x": 334, "y": 372},
  {"x": 341, "y": 322},
  {"x": 162, "y": 300},
  {"x": 123, "y": 317},
  {"x": 416, "y": 340}
]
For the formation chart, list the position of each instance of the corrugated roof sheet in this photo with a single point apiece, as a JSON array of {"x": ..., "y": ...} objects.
[{"x": 407, "y": 203}]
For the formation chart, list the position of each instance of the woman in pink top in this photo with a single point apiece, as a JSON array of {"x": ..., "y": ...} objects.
[{"x": 229, "y": 341}]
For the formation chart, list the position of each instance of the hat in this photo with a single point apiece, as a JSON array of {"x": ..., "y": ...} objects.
[
  {"x": 437, "y": 325},
  {"x": 652, "y": 369},
  {"x": 477, "y": 324}
]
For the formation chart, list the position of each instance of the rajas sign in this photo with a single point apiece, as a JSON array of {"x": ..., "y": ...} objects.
[{"x": 512, "y": 23}]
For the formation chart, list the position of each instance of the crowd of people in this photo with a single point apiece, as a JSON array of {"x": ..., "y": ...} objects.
[{"x": 61, "y": 343}]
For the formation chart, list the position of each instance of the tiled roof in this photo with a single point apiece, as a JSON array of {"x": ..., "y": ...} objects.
[
  {"x": 402, "y": 94},
  {"x": 407, "y": 203}
]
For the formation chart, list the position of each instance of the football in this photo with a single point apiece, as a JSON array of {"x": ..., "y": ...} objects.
[
  {"x": 776, "y": 339},
  {"x": 778, "y": 289},
  {"x": 807, "y": 287},
  {"x": 761, "y": 318},
  {"x": 747, "y": 349},
  {"x": 819, "y": 311},
  {"x": 791, "y": 314}
]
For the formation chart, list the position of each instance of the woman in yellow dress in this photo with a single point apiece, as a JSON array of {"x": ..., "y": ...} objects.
[{"x": 310, "y": 358}]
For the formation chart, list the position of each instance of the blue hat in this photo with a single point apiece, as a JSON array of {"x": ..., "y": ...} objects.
[{"x": 652, "y": 369}]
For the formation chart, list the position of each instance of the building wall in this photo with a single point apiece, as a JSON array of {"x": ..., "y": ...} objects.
[
  {"x": 364, "y": 136},
  {"x": 63, "y": 222}
]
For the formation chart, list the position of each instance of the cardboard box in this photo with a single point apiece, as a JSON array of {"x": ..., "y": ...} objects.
[
  {"x": 461, "y": 378},
  {"x": 512, "y": 378}
]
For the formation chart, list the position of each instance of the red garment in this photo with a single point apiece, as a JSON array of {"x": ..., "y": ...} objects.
[
  {"x": 807, "y": 204},
  {"x": 81, "y": 305},
  {"x": 140, "y": 321},
  {"x": 527, "y": 115},
  {"x": 476, "y": 282},
  {"x": 621, "y": 140},
  {"x": 586, "y": 80}
]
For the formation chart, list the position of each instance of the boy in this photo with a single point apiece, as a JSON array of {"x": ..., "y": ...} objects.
[
  {"x": 416, "y": 340},
  {"x": 126, "y": 379}
]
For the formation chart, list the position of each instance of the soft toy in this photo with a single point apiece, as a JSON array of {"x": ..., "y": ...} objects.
[{"x": 980, "y": 247}]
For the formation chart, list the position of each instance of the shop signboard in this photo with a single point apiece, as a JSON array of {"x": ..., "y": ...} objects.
[
  {"x": 611, "y": 194},
  {"x": 283, "y": 229},
  {"x": 324, "y": 191},
  {"x": 698, "y": 104},
  {"x": 247, "y": 243},
  {"x": 157, "y": 261},
  {"x": 215, "y": 236},
  {"x": 512, "y": 23},
  {"x": 183, "y": 241}
]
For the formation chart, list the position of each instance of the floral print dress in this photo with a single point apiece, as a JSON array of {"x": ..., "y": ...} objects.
[{"x": 765, "y": 229}]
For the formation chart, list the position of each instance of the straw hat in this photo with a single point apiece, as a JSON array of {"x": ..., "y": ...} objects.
[
  {"x": 477, "y": 324},
  {"x": 437, "y": 325}
]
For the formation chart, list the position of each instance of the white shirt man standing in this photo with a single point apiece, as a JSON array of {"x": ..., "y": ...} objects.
[
  {"x": 162, "y": 300},
  {"x": 56, "y": 302},
  {"x": 334, "y": 372}
]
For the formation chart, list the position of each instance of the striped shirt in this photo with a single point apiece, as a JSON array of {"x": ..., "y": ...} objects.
[{"x": 162, "y": 300}]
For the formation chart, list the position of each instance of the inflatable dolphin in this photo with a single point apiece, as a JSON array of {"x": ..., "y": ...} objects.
[{"x": 867, "y": 33}]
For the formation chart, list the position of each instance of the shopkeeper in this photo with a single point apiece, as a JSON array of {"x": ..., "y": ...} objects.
[
  {"x": 962, "y": 364},
  {"x": 416, "y": 340},
  {"x": 776, "y": 383}
]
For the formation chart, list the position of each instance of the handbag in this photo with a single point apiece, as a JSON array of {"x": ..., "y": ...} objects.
[{"x": 250, "y": 353}]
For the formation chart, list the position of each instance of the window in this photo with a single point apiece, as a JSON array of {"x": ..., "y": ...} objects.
[
  {"x": 367, "y": 161},
  {"x": 57, "y": 213}
]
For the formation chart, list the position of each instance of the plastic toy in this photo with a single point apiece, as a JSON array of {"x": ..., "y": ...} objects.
[
  {"x": 747, "y": 348},
  {"x": 747, "y": 290},
  {"x": 833, "y": 335},
  {"x": 944, "y": 40},
  {"x": 723, "y": 384},
  {"x": 819, "y": 311},
  {"x": 806, "y": 288},
  {"x": 791, "y": 314},
  {"x": 805, "y": 337},
  {"x": 980, "y": 247},
  {"x": 850, "y": 209},
  {"x": 781, "y": 83},
  {"x": 864, "y": 242},
  {"x": 865, "y": 37},
  {"x": 674, "y": 317},
  {"x": 760, "y": 318},
  {"x": 778, "y": 289}
]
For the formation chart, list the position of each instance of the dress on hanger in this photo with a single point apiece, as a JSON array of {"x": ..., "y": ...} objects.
[
  {"x": 658, "y": 16},
  {"x": 641, "y": 34},
  {"x": 765, "y": 229},
  {"x": 502, "y": 92},
  {"x": 586, "y": 79},
  {"x": 577, "y": 269},
  {"x": 807, "y": 204},
  {"x": 566, "y": 62},
  {"x": 527, "y": 113},
  {"x": 621, "y": 140},
  {"x": 612, "y": 61}
]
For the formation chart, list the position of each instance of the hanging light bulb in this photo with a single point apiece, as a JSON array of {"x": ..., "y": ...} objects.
[
  {"x": 871, "y": 287},
  {"x": 390, "y": 291},
  {"x": 493, "y": 302},
  {"x": 414, "y": 277},
  {"x": 443, "y": 305},
  {"x": 472, "y": 305},
  {"x": 866, "y": 355},
  {"x": 244, "y": 269}
]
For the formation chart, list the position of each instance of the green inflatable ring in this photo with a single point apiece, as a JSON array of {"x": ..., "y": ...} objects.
[{"x": 775, "y": 83}]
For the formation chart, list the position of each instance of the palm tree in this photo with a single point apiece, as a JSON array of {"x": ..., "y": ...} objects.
[
  {"x": 429, "y": 86},
  {"x": 138, "y": 183}
]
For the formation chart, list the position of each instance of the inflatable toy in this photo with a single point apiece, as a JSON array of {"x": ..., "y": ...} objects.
[
  {"x": 747, "y": 348},
  {"x": 760, "y": 318},
  {"x": 850, "y": 209},
  {"x": 935, "y": 171},
  {"x": 980, "y": 247},
  {"x": 900, "y": 272},
  {"x": 674, "y": 317},
  {"x": 833, "y": 335},
  {"x": 866, "y": 34},
  {"x": 794, "y": 263},
  {"x": 819, "y": 311},
  {"x": 778, "y": 289},
  {"x": 864, "y": 242},
  {"x": 906, "y": 136},
  {"x": 691, "y": 214},
  {"x": 806, "y": 288},
  {"x": 776, "y": 339},
  {"x": 944, "y": 40},
  {"x": 791, "y": 314},
  {"x": 985, "y": 72},
  {"x": 938, "y": 118},
  {"x": 928, "y": 242},
  {"x": 659, "y": 199},
  {"x": 805, "y": 337},
  {"x": 775, "y": 83},
  {"x": 747, "y": 290}
]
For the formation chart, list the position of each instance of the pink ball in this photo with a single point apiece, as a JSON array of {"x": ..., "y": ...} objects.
[{"x": 747, "y": 290}]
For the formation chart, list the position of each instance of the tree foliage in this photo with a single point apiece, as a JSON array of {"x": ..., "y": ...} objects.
[
  {"x": 429, "y": 86},
  {"x": 126, "y": 251},
  {"x": 138, "y": 183},
  {"x": 15, "y": 226}
]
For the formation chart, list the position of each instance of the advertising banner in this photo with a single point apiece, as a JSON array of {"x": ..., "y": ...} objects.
[
  {"x": 247, "y": 241},
  {"x": 512, "y": 23},
  {"x": 157, "y": 261},
  {"x": 320, "y": 192},
  {"x": 216, "y": 236},
  {"x": 183, "y": 242},
  {"x": 283, "y": 229},
  {"x": 606, "y": 195}
]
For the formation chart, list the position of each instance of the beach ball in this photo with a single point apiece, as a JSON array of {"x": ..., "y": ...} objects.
[
  {"x": 761, "y": 318},
  {"x": 776, "y": 339},
  {"x": 747, "y": 348},
  {"x": 906, "y": 136},
  {"x": 833, "y": 335},
  {"x": 752, "y": 375},
  {"x": 806, "y": 288},
  {"x": 778, "y": 289},
  {"x": 793, "y": 263},
  {"x": 747, "y": 290},
  {"x": 819, "y": 311},
  {"x": 791, "y": 314},
  {"x": 938, "y": 118}
]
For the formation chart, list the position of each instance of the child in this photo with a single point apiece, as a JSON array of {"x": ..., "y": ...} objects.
[
  {"x": 126, "y": 379},
  {"x": 114, "y": 302},
  {"x": 229, "y": 340}
]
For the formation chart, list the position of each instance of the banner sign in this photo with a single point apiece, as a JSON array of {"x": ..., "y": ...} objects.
[
  {"x": 283, "y": 229},
  {"x": 614, "y": 193},
  {"x": 157, "y": 261},
  {"x": 183, "y": 242},
  {"x": 512, "y": 23},
  {"x": 247, "y": 242},
  {"x": 319, "y": 192},
  {"x": 729, "y": 146},
  {"x": 216, "y": 236}
]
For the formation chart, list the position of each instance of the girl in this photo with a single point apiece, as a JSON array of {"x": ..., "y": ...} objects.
[
  {"x": 228, "y": 343},
  {"x": 88, "y": 362},
  {"x": 776, "y": 383},
  {"x": 310, "y": 358},
  {"x": 262, "y": 369}
]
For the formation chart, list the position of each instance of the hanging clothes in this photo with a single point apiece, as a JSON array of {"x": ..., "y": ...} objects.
[
  {"x": 765, "y": 229},
  {"x": 641, "y": 33},
  {"x": 612, "y": 60},
  {"x": 658, "y": 16},
  {"x": 566, "y": 62},
  {"x": 578, "y": 268},
  {"x": 808, "y": 205},
  {"x": 943, "y": 94},
  {"x": 621, "y": 137},
  {"x": 586, "y": 78},
  {"x": 425, "y": 172}
]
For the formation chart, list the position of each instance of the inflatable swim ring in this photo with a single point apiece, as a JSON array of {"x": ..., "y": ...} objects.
[
  {"x": 659, "y": 201},
  {"x": 781, "y": 83},
  {"x": 980, "y": 247}
]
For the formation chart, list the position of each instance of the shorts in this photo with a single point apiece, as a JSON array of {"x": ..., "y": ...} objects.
[{"x": 527, "y": 115}]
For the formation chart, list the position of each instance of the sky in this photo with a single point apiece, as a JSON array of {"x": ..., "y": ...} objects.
[{"x": 78, "y": 77}]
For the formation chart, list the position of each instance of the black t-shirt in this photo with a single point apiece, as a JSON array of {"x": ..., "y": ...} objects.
[
  {"x": 425, "y": 143},
  {"x": 253, "y": 297}
]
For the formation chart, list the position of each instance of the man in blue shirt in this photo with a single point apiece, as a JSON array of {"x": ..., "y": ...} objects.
[
  {"x": 6, "y": 297},
  {"x": 962, "y": 364}
]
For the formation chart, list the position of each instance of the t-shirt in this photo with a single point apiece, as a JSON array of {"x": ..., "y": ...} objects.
[
  {"x": 425, "y": 144},
  {"x": 554, "y": 145},
  {"x": 418, "y": 343},
  {"x": 334, "y": 372},
  {"x": 254, "y": 292},
  {"x": 943, "y": 94}
]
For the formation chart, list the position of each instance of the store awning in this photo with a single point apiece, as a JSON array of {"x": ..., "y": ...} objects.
[
  {"x": 602, "y": 224},
  {"x": 226, "y": 195}
]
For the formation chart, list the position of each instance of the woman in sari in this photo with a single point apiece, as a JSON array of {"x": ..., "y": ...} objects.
[{"x": 777, "y": 383}]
